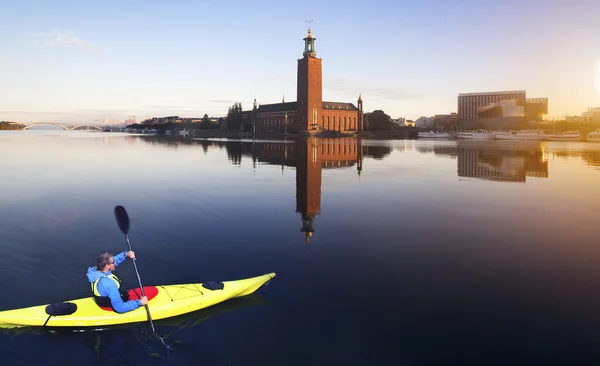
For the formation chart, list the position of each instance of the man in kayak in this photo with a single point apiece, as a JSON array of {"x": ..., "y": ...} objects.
[{"x": 107, "y": 287}]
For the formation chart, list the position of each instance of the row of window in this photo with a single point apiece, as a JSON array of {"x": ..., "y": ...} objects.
[
  {"x": 349, "y": 123},
  {"x": 270, "y": 122},
  {"x": 327, "y": 123},
  {"x": 333, "y": 107}
]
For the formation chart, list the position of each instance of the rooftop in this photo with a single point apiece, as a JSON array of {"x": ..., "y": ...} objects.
[
  {"x": 339, "y": 105},
  {"x": 277, "y": 107},
  {"x": 493, "y": 93}
]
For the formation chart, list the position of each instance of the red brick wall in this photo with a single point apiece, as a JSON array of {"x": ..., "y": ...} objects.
[
  {"x": 275, "y": 122},
  {"x": 309, "y": 92},
  {"x": 339, "y": 120}
]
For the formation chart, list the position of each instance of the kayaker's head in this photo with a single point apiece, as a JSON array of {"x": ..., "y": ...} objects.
[{"x": 106, "y": 262}]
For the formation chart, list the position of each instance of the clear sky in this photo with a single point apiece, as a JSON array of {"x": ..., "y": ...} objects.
[{"x": 77, "y": 61}]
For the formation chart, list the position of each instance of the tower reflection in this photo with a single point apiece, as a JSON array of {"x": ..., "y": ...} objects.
[{"x": 309, "y": 156}]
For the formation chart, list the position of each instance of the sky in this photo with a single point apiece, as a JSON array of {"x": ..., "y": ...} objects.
[{"x": 74, "y": 61}]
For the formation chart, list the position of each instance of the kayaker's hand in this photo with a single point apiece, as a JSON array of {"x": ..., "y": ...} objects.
[
  {"x": 130, "y": 254},
  {"x": 144, "y": 300}
]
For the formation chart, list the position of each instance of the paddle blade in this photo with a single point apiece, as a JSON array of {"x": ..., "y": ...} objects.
[{"x": 122, "y": 219}]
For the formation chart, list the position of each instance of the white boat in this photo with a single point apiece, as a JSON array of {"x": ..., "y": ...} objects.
[
  {"x": 184, "y": 132},
  {"x": 564, "y": 136},
  {"x": 519, "y": 135},
  {"x": 594, "y": 136},
  {"x": 435, "y": 135},
  {"x": 475, "y": 135}
]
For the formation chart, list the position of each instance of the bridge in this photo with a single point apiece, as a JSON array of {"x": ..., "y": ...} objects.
[{"x": 66, "y": 127}]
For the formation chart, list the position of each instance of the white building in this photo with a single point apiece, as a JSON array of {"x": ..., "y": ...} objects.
[{"x": 424, "y": 122}]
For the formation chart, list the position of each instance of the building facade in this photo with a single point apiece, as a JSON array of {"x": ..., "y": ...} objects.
[
  {"x": 445, "y": 120},
  {"x": 536, "y": 109},
  {"x": 309, "y": 113},
  {"x": 424, "y": 122},
  {"x": 500, "y": 110},
  {"x": 591, "y": 115},
  {"x": 505, "y": 108},
  {"x": 469, "y": 103}
]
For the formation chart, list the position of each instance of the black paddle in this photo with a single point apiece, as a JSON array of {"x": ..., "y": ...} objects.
[{"x": 123, "y": 222}]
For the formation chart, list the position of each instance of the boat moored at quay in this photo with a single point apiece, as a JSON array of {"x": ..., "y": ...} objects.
[
  {"x": 564, "y": 136},
  {"x": 519, "y": 135},
  {"x": 527, "y": 135},
  {"x": 594, "y": 136},
  {"x": 434, "y": 135},
  {"x": 475, "y": 135}
]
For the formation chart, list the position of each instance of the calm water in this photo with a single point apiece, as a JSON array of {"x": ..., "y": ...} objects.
[{"x": 386, "y": 252}]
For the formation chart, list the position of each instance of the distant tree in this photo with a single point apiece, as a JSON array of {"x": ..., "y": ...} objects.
[
  {"x": 136, "y": 126},
  {"x": 234, "y": 117},
  {"x": 378, "y": 120},
  {"x": 207, "y": 124}
]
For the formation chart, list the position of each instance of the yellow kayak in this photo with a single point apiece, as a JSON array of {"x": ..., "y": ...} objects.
[{"x": 164, "y": 302}]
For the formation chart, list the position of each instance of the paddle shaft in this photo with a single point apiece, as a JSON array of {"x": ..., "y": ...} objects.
[{"x": 140, "y": 282}]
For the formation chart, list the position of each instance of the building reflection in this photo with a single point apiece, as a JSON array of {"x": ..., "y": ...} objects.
[
  {"x": 592, "y": 158},
  {"x": 512, "y": 164},
  {"x": 309, "y": 157},
  {"x": 501, "y": 165},
  {"x": 312, "y": 156}
]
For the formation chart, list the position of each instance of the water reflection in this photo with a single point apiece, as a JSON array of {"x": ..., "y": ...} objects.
[
  {"x": 506, "y": 163},
  {"x": 591, "y": 158},
  {"x": 492, "y": 163},
  {"x": 502, "y": 158},
  {"x": 308, "y": 156}
]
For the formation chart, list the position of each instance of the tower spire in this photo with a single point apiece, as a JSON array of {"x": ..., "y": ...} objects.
[{"x": 309, "y": 43}]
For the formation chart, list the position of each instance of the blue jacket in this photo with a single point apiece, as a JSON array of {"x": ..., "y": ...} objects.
[{"x": 108, "y": 287}]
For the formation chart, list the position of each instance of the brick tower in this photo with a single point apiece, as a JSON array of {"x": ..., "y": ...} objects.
[{"x": 310, "y": 87}]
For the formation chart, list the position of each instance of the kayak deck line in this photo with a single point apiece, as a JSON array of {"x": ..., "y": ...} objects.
[
  {"x": 180, "y": 288},
  {"x": 170, "y": 301}
]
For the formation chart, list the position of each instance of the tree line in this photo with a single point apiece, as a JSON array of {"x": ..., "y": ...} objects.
[
  {"x": 6, "y": 125},
  {"x": 378, "y": 120},
  {"x": 167, "y": 123},
  {"x": 234, "y": 117}
]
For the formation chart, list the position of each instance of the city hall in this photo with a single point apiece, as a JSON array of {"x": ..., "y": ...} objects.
[{"x": 309, "y": 113}]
